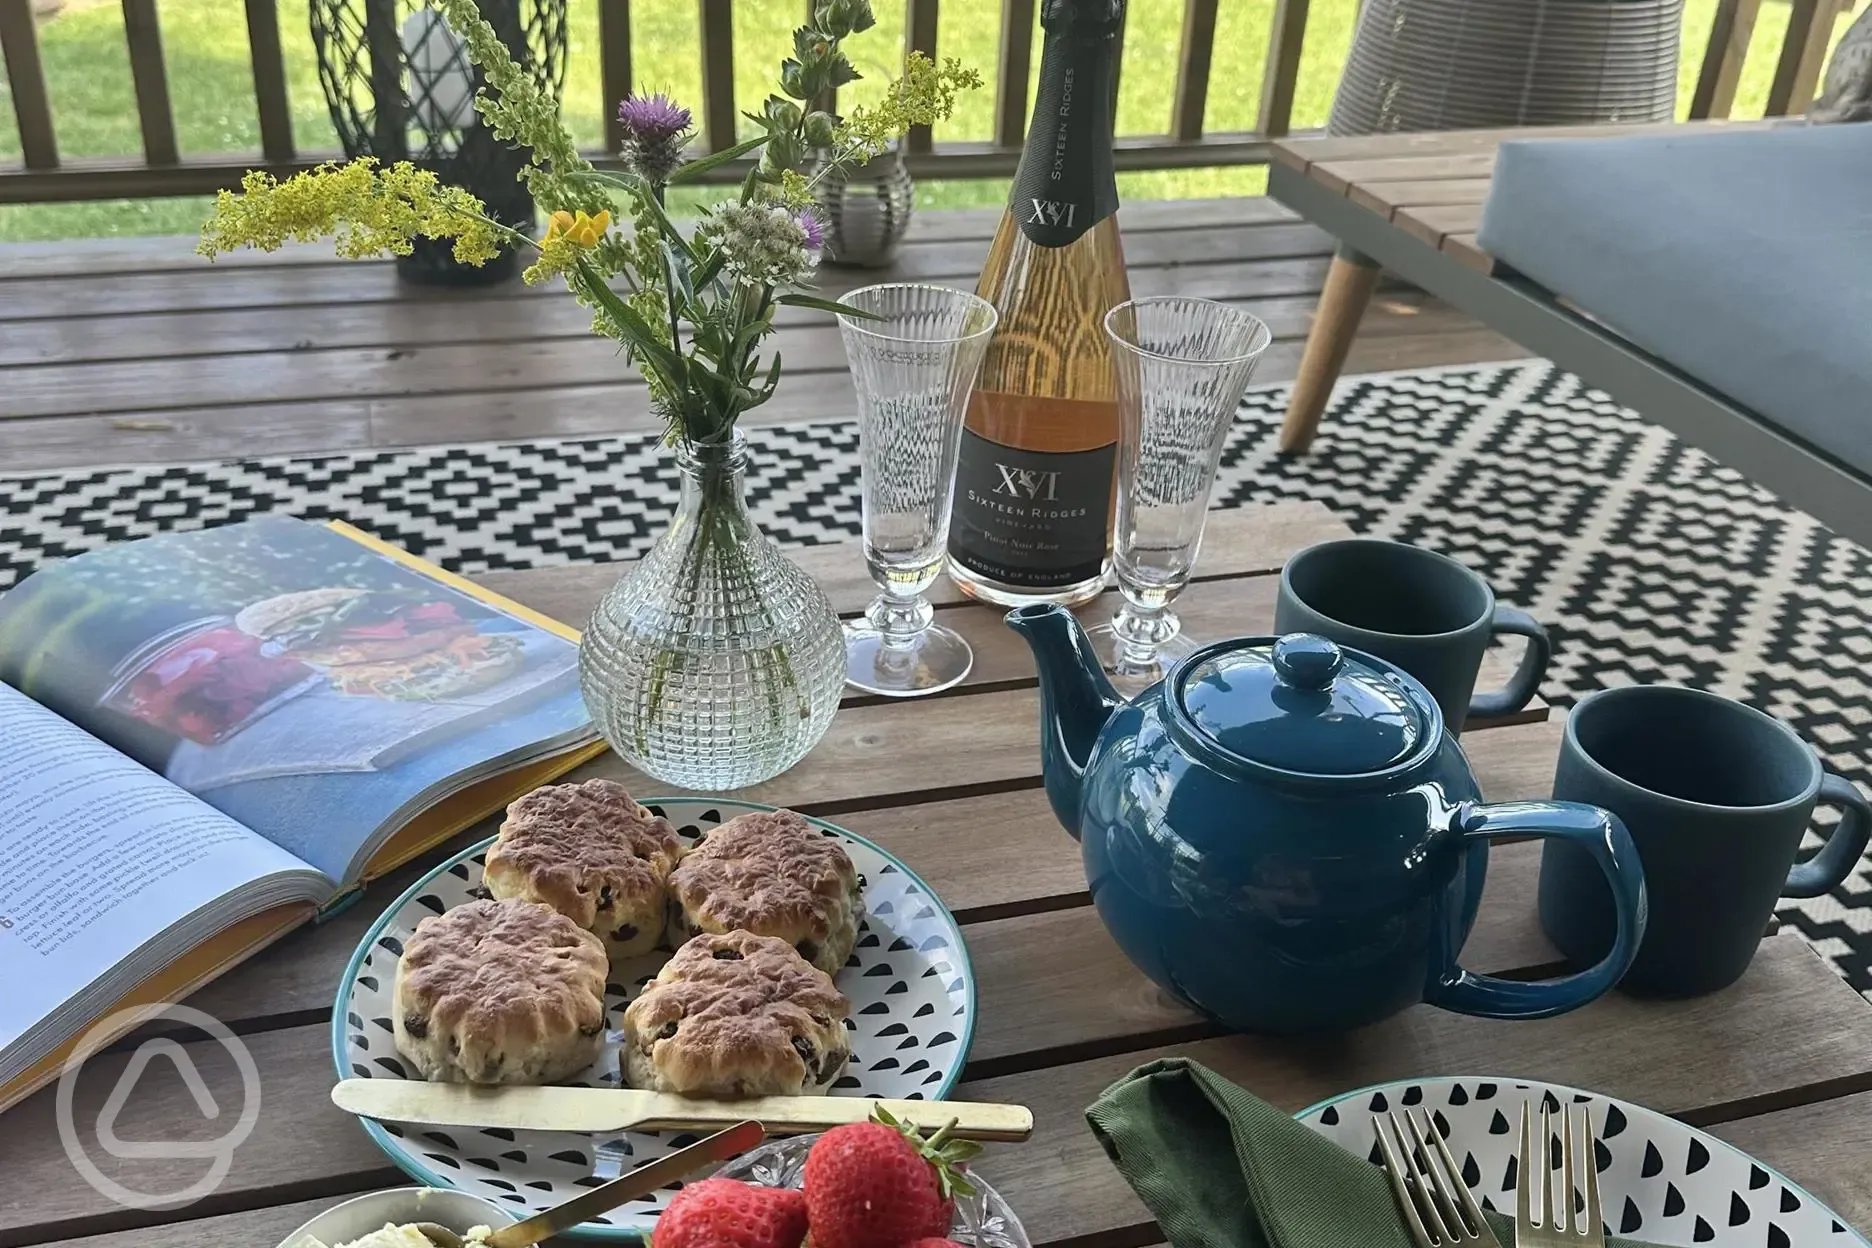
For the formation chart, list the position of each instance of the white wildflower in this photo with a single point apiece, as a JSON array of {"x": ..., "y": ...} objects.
[{"x": 763, "y": 244}]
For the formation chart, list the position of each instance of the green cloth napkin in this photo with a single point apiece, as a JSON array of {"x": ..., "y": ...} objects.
[{"x": 1221, "y": 1168}]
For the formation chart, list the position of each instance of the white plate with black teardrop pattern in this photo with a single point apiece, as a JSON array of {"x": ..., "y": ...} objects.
[
  {"x": 913, "y": 1013},
  {"x": 1659, "y": 1180}
]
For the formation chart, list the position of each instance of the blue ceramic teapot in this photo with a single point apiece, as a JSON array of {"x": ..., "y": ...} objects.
[{"x": 1281, "y": 834}]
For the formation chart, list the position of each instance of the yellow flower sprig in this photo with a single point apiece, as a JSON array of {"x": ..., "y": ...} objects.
[
  {"x": 925, "y": 93},
  {"x": 689, "y": 311},
  {"x": 793, "y": 190},
  {"x": 583, "y": 228},
  {"x": 518, "y": 112},
  {"x": 366, "y": 210},
  {"x": 568, "y": 237}
]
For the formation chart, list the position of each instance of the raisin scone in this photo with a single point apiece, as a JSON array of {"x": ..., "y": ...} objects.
[
  {"x": 774, "y": 874},
  {"x": 736, "y": 1015},
  {"x": 592, "y": 853},
  {"x": 500, "y": 992}
]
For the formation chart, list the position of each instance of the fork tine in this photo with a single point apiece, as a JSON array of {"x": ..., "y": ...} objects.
[
  {"x": 1441, "y": 1199},
  {"x": 1569, "y": 1221},
  {"x": 1421, "y": 1183},
  {"x": 1525, "y": 1213},
  {"x": 1553, "y": 1220},
  {"x": 1394, "y": 1170},
  {"x": 1472, "y": 1212},
  {"x": 1589, "y": 1176}
]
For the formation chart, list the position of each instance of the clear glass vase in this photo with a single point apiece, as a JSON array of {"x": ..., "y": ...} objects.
[{"x": 716, "y": 662}]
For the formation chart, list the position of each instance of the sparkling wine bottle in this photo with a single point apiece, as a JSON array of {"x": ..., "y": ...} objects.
[{"x": 1031, "y": 520}]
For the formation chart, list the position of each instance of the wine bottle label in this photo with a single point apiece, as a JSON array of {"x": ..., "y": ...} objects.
[
  {"x": 1032, "y": 519},
  {"x": 1065, "y": 184}
]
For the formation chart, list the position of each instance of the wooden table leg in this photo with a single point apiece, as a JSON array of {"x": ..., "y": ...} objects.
[{"x": 1349, "y": 286}]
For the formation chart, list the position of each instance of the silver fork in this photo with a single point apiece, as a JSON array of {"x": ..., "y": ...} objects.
[
  {"x": 1436, "y": 1203},
  {"x": 1544, "y": 1218}
]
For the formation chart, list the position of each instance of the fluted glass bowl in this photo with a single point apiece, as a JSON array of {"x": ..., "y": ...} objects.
[
  {"x": 981, "y": 1221},
  {"x": 359, "y": 1216}
]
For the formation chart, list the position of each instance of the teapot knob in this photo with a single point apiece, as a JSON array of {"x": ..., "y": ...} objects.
[{"x": 1307, "y": 661}]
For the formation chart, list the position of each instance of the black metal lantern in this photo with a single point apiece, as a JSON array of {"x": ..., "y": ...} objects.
[{"x": 401, "y": 87}]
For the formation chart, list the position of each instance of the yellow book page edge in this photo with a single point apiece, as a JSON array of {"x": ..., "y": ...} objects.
[{"x": 222, "y": 952}]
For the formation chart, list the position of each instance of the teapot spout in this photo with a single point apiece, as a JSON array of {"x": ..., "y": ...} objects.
[{"x": 1076, "y": 700}]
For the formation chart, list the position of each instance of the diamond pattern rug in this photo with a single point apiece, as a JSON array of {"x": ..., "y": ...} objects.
[{"x": 1648, "y": 561}]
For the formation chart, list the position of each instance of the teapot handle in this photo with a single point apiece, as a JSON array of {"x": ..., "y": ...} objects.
[{"x": 1600, "y": 834}]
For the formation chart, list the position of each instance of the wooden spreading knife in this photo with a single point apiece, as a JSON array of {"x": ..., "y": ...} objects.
[{"x": 620, "y": 1109}]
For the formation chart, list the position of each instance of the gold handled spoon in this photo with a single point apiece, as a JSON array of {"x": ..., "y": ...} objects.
[{"x": 626, "y": 1187}]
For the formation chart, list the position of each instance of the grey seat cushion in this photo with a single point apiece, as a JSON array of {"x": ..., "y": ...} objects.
[{"x": 1743, "y": 258}]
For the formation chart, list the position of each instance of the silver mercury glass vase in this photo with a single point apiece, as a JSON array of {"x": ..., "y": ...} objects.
[
  {"x": 867, "y": 210},
  {"x": 715, "y": 662}
]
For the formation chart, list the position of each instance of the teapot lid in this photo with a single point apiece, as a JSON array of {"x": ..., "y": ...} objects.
[{"x": 1299, "y": 703}]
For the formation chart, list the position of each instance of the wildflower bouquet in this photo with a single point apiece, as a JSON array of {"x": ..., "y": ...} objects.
[
  {"x": 715, "y": 662},
  {"x": 691, "y": 312}
]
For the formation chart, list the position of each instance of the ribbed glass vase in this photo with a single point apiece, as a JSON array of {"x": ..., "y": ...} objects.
[{"x": 716, "y": 662}]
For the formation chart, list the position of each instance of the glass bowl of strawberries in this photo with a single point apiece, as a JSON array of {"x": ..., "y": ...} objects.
[{"x": 877, "y": 1184}]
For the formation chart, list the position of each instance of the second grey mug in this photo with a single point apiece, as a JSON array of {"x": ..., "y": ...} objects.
[
  {"x": 1425, "y": 612},
  {"x": 1717, "y": 797}
]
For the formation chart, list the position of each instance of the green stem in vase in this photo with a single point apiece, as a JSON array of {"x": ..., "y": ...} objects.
[{"x": 723, "y": 544}]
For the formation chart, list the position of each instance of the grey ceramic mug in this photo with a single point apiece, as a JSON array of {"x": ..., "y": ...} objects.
[
  {"x": 1423, "y": 611},
  {"x": 1717, "y": 797}
]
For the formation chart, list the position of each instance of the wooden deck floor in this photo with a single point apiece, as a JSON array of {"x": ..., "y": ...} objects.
[{"x": 136, "y": 350}]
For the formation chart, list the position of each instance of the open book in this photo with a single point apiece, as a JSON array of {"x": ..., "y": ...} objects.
[{"x": 209, "y": 738}]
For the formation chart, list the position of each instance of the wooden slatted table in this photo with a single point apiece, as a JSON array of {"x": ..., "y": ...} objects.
[{"x": 1781, "y": 1064}]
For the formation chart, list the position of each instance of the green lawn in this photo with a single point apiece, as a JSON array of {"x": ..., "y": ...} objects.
[{"x": 212, "y": 88}]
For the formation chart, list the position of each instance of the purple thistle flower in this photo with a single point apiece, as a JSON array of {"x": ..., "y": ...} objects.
[
  {"x": 650, "y": 118},
  {"x": 813, "y": 228},
  {"x": 656, "y": 129}
]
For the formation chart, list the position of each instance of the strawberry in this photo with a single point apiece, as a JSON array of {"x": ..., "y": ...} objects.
[
  {"x": 880, "y": 1184},
  {"x": 727, "y": 1213},
  {"x": 933, "y": 1242}
]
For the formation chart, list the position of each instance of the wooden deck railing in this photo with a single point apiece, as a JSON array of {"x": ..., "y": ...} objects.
[{"x": 43, "y": 175}]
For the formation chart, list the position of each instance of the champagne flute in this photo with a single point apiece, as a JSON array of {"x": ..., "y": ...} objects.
[
  {"x": 1182, "y": 365},
  {"x": 913, "y": 362}
]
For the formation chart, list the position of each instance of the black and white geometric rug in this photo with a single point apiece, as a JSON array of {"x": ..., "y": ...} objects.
[{"x": 1647, "y": 561}]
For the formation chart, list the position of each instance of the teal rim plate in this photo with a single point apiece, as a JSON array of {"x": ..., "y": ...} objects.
[
  {"x": 913, "y": 1015},
  {"x": 1660, "y": 1180}
]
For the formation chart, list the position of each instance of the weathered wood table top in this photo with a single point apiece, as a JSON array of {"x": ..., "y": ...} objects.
[
  {"x": 1780, "y": 1064},
  {"x": 137, "y": 350}
]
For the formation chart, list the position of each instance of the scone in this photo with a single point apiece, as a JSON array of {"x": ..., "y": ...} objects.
[
  {"x": 593, "y": 854},
  {"x": 500, "y": 992},
  {"x": 736, "y": 1015},
  {"x": 773, "y": 874}
]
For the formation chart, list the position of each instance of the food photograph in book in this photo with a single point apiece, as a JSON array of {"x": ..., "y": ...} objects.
[{"x": 278, "y": 668}]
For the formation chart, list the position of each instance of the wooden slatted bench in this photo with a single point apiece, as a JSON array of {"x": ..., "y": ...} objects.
[{"x": 1411, "y": 204}]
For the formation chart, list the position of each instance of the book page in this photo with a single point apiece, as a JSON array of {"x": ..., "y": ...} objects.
[
  {"x": 304, "y": 681},
  {"x": 98, "y": 857}
]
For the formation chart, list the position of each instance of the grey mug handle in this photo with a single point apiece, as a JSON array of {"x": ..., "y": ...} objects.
[
  {"x": 1525, "y": 682},
  {"x": 1828, "y": 869}
]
